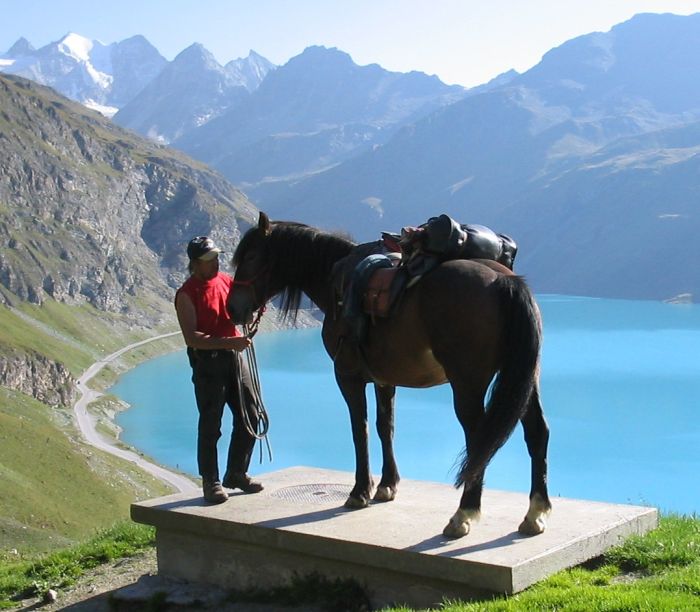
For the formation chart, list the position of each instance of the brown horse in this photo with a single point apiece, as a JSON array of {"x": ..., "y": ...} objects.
[{"x": 464, "y": 323}]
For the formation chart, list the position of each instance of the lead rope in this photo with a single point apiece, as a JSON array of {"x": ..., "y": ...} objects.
[{"x": 259, "y": 431}]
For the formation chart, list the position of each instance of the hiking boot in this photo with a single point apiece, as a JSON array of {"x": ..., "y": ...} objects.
[
  {"x": 213, "y": 492},
  {"x": 243, "y": 482}
]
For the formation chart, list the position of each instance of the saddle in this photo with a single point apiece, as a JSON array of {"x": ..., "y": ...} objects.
[
  {"x": 443, "y": 239},
  {"x": 379, "y": 280}
]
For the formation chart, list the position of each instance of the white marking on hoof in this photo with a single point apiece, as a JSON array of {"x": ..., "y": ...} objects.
[
  {"x": 385, "y": 494},
  {"x": 460, "y": 523},
  {"x": 534, "y": 522}
]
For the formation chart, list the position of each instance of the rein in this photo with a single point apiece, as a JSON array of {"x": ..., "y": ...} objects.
[
  {"x": 259, "y": 431},
  {"x": 252, "y": 329}
]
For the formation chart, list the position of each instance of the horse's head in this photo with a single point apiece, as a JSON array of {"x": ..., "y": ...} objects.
[{"x": 252, "y": 260}]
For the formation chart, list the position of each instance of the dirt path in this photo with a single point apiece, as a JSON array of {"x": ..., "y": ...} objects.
[{"x": 87, "y": 426}]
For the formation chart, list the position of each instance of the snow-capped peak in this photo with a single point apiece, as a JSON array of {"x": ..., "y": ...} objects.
[{"x": 76, "y": 46}]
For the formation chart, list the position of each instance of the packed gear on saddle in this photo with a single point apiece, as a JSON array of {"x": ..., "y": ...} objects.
[
  {"x": 442, "y": 238},
  {"x": 378, "y": 281}
]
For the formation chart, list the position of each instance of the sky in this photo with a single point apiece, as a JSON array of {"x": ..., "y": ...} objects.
[{"x": 465, "y": 42}]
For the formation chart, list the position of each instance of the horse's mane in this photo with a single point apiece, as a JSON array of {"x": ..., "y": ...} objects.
[{"x": 301, "y": 254}]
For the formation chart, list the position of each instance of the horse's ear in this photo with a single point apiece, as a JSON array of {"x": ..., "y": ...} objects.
[{"x": 264, "y": 223}]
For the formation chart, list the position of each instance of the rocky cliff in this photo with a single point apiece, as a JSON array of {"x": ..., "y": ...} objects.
[
  {"x": 35, "y": 375},
  {"x": 92, "y": 216},
  {"x": 90, "y": 212}
]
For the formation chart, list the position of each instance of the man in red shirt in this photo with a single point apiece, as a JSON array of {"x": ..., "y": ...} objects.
[{"x": 219, "y": 375}]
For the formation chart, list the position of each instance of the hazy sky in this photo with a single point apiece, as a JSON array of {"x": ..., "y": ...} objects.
[{"x": 462, "y": 41}]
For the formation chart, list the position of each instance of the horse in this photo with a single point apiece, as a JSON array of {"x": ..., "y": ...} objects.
[{"x": 470, "y": 323}]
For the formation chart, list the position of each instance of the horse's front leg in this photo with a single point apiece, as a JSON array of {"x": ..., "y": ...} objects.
[
  {"x": 353, "y": 389},
  {"x": 386, "y": 491}
]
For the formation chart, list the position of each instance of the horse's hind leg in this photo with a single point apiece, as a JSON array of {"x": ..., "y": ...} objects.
[
  {"x": 386, "y": 491},
  {"x": 353, "y": 390},
  {"x": 537, "y": 439},
  {"x": 469, "y": 407}
]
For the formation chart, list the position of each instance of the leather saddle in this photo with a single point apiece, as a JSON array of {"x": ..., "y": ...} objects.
[
  {"x": 379, "y": 280},
  {"x": 443, "y": 238}
]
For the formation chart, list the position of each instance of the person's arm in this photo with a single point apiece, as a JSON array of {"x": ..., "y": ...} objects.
[{"x": 187, "y": 317}]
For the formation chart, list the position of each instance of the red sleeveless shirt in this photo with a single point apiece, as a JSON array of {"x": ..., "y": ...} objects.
[{"x": 209, "y": 299}]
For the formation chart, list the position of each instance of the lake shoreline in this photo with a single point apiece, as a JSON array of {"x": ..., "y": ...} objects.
[{"x": 608, "y": 366}]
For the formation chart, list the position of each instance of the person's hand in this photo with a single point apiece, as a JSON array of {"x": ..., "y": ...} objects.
[{"x": 240, "y": 343}]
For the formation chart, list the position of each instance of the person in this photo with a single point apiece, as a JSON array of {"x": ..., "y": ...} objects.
[{"x": 213, "y": 348}]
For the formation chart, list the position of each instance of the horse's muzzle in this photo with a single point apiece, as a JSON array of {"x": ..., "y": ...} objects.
[{"x": 240, "y": 311}]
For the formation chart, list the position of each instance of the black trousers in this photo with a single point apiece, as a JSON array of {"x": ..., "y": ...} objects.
[{"x": 216, "y": 383}]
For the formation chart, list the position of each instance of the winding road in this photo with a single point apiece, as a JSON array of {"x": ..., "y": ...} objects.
[{"x": 86, "y": 423}]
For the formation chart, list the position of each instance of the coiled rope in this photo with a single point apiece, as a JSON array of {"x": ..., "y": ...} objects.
[{"x": 260, "y": 428}]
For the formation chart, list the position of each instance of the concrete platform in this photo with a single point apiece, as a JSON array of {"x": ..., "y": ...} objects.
[{"x": 298, "y": 525}]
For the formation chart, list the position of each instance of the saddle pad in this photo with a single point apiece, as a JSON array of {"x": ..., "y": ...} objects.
[{"x": 376, "y": 300}]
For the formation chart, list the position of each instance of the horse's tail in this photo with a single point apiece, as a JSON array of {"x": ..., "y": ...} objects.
[{"x": 515, "y": 381}]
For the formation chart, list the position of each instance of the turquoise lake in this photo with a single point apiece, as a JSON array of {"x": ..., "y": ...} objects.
[{"x": 620, "y": 388}]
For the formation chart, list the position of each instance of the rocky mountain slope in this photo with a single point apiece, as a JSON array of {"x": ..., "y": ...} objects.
[
  {"x": 95, "y": 220},
  {"x": 103, "y": 77},
  {"x": 318, "y": 109},
  {"x": 93, "y": 227},
  {"x": 190, "y": 91},
  {"x": 108, "y": 78},
  {"x": 100, "y": 214}
]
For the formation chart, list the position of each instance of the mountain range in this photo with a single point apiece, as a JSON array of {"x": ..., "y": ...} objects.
[
  {"x": 588, "y": 159},
  {"x": 190, "y": 91},
  {"x": 317, "y": 110},
  {"x": 103, "y": 77},
  {"x": 108, "y": 77}
]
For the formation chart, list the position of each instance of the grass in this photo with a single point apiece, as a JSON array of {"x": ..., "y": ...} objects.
[
  {"x": 75, "y": 336},
  {"x": 657, "y": 571},
  {"x": 17, "y": 334},
  {"x": 53, "y": 489},
  {"x": 30, "y": 577}
]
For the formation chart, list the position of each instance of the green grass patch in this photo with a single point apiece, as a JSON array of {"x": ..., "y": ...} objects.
[
  {"x": 86, "y": 325},
  {"x": 30, "y": 577},
  {"x": 76, "y": 335},
  {"x": 55, "y": 488},
  {"x": 665, "y": 566},
  {"x": 657, "y": 571},
  {"x": 676, "y": 543},
  {"x": 17, "y": 334}
]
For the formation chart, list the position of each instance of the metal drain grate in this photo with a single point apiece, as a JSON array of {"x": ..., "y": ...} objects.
[{"x": 314, "y": 493}]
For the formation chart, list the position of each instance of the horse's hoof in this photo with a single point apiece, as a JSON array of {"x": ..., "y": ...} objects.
[
  {"x": 385, "y": 494},
  {"x": 355, "y": 503},
  {"x": 453, "y": 530},
  {"x": 531, "y": 528}
]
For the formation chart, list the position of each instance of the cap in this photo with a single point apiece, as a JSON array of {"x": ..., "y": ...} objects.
[{"x": 203, "y": 248}]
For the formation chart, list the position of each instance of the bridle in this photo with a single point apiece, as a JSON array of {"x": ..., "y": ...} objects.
[{"x": 252, "y": 328}]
